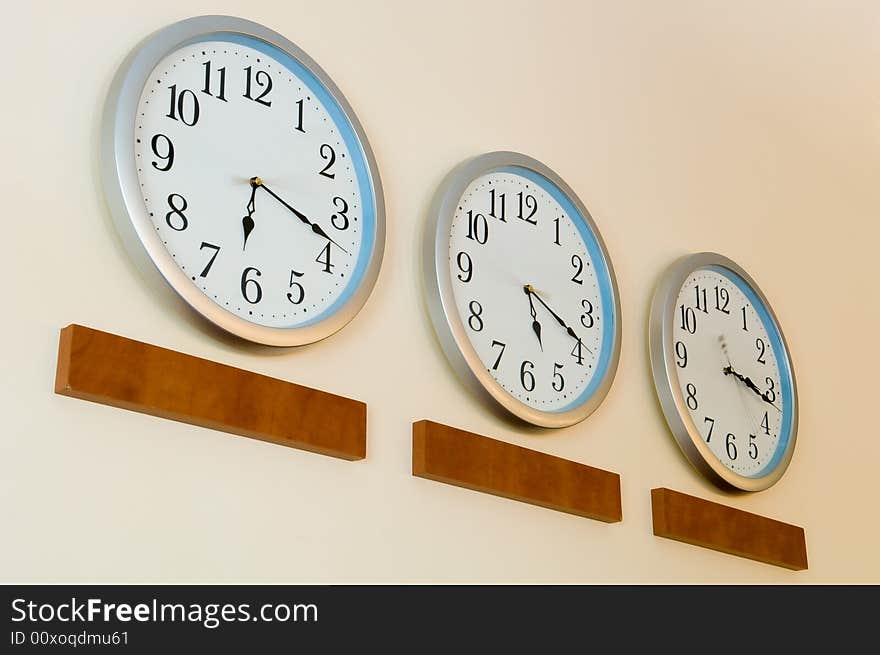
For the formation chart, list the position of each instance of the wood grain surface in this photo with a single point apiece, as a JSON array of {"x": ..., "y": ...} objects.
[
  {"x": 711, "y": 525},
  {"x": 464, "y": 459},
  {"x": 113, "y": 370}
]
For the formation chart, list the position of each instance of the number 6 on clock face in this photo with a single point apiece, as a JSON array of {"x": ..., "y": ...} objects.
[
  {"x": 237, "y": 167},
  {"x": 521, "y": 290}
]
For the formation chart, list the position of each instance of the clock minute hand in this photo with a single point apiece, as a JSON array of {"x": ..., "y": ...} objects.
[
  {"x": 529, "y": 289},
  {"x": 317, "y": 229},
  {"x": 764, "y": 395},
  {"x": 728, "y": 370}
]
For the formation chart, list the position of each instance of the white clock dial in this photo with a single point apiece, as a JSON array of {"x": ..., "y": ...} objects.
[
  {"x": 531, "y": 296},
  {"x": 255, "y": 186},
  {"x": 730, "y": 374},
  {"x": 509, "y": 234},
  {"x": 727, "y": 371}
]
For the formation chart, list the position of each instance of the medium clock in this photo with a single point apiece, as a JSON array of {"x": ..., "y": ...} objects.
[
  {"x": 235, "y": 167},
  {"x": 723, "y": 373},
  {"x": 521, "y": 290}
]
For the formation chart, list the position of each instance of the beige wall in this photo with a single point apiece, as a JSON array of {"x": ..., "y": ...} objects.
[{"x": 749, "y": 128}]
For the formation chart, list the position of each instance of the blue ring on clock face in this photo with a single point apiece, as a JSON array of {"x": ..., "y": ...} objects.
[
  {"x": 603, "y": 276},
  {"x": 785, "y": 382},
  {"x": 346, "y": 131}
]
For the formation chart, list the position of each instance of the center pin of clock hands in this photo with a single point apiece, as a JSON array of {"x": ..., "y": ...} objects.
[
  {"x": 257, "y": 182},
  {"x": 530, "y": 291},
  {"x": 746, "y": 380}
]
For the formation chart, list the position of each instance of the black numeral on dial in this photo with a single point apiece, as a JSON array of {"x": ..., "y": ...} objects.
[
  {"x": 762, "y": 348},
  {"x": 176, "y": 219},
  {"x": 500, "y": 353},
  {"x": 711, "y": 422},
  {"x": 184, "y": 107},
  {"x": 263, "y": 80},
  {"x": 475, "y": 320},
  {"x": 478, "y": 227},
  {"x": 557, "y": 377},
  {"x": 688, "y": 319},
  {"x": 163, "y": 149},
  {"x": 578, "y": 265},
  {"x": 465, "y": 265},
  {"x": 526, "y": 377},
  {"x": 497, "y": 204},
  {"x": 324, "y": 258},
  {"x": 681, "y": 354},
  {"x": 587, "y": 319},
  {"x": 340, "y": 218},
  {"x": 528, "y": 207},
  {"x": 298, "y": 291},
  {"x": 730, "y": 445},
  {"x": 299, "y": 116},
  {"x": 578, "y": 352},
  {"x": 210, "y": 263},
  {"x": 691, "y": 399},
  {"x": 753, "y": 447},
  {"x": 221, "y": 86},
  {"x": 722, "y": 300},
  {"x": 251, "y": 290},
  {"x": 328, "y": 154}
]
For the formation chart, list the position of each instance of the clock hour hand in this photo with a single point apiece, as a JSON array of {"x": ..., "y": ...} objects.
[
  {"x": 247, "y": 222},
  {"x": 728, "y": 370},
  {"x": 317, "y": 229},
  {"x": 530, "y": 291},
  {"x": 536, "y": 327}
]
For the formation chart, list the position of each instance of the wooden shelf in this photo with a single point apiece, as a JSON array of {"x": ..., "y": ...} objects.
[
  {"x": 113, "y": 370},
  {"x": 703, "y": 523},
  {"x": 464, "y": 459}
]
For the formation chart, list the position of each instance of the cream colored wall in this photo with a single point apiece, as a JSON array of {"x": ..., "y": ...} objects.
[{"x": 749, "y": 128}]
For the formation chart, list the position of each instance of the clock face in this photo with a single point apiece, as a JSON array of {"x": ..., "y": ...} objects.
[
  {"x": 730, "y": 375},
  {"x": 258, "y": 194},
  {"x": 531, "y": 293}
]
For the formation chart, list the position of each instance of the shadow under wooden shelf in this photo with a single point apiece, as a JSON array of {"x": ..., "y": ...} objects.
[
  {"x": 464, "y": 459},
  {"x": 113, "y": 370}
]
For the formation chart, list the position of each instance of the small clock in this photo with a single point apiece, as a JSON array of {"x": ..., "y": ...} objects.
[
  {"x": 235, "y": 167},
  {"x": 521, "y": 290},
  {"x": 723, "y": 373}
]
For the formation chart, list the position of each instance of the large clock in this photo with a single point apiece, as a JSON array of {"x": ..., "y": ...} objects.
[
  {"x": 723, "y": 373},
  {"x": 521, "y": 290},
  {"x": 236, "y": 168}
]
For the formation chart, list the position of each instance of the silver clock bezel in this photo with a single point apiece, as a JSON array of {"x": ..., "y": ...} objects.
[
  {"x": 447, "y": 322},
  {"x": 669, "y": 395},
  {"x": 119, "y": 170}
]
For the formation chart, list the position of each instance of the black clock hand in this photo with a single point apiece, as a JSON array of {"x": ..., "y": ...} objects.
[
  {"x": 764, "y": 395},
  {"x": 530, "y": 290},
  {"x": 535, "y": 325},
  {"x": 317, "y": 229},
  {"x": 248, "y": 221},
  {"x": 728, "y": 370}
]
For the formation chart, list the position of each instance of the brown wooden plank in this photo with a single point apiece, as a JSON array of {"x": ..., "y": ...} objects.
[
  {"x": 113, "y": 370},
  {"x": 472, "y": 461},
  {"x": 727, "y": 529}
]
